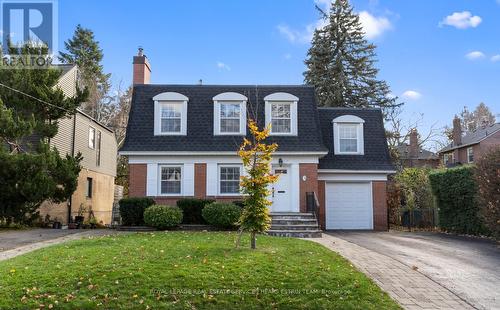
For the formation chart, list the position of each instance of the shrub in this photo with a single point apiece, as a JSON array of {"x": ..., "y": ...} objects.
[
  {"x": 239, "y": 203},
  {"x": 132, "y": 210},
  {"x": 192, "y": 208},
  {"x": 456, "y": 196},
  {"x": 487, "y": 175},
  {"x": 162, "y": 217},
  {"x": 415, "y": 188},
  {"x": 222, "y": 215}
]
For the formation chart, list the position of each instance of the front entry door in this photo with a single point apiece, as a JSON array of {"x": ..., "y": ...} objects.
[{"x": 280, "y": 194}]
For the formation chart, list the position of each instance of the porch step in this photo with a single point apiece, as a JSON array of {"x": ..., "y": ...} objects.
[
  {"x": 295, "y": 233},
  {"x": 294, "y": 224},
  {"x": 294, "y": 227}
]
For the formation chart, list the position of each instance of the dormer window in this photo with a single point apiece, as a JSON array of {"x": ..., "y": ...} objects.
[
  {"x": 230, "y": 114},
  {"x": 348, "y": 135},
  {"x": 281, "y": 113},
  {"x": 170, "y": 114}
]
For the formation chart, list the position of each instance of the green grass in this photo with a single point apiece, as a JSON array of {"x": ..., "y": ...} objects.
[{"x": 181, "y": 270}]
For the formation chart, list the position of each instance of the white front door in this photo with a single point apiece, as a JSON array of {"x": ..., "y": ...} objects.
[
  {"x": 280, "y": 191},
  {"x": 349, "y": 206}
]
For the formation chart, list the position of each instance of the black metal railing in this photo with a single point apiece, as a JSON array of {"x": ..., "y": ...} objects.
[{"x": 312, "y": 204}]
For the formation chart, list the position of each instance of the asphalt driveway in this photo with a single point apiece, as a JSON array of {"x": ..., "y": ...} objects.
[
  {"x": 468, "y": 267},
  {"x": 13, "y": 239}
]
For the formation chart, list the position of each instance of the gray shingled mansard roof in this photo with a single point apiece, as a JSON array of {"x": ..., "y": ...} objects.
[
  {"x": 474, "y": 137},
  {"x": 200, "y": 137},
  {"x": 376, "y": 153},
  {"x": 315, "y": 130}
]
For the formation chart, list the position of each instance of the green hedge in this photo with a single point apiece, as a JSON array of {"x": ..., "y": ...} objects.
[
  {"x": 222, "y": 215},
  {"x": 162, "y": 217},
  {"x": 456, "y": 196},
  {"x": 132, "y": 210},
  {"x": 192, "y": 209}
]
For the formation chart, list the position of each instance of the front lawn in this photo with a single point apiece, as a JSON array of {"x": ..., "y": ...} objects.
[{"x": 186, "y": 270}]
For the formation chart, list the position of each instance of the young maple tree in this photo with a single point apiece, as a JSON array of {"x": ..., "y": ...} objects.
[{"x": 256, "y": 156}]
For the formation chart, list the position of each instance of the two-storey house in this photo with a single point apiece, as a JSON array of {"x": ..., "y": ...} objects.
[{"x": 182, "y": 141}]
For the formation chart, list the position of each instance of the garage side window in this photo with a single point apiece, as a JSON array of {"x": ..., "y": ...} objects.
[{"x": 348, "y": 135}]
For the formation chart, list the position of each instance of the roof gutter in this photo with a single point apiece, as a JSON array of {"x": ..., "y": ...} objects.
[
  {"x": 209, "y": 153},
  {"x": 356, "y": 171}
]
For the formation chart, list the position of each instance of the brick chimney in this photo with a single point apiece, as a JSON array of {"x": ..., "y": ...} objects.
[
  {"x": 457, "y": 131},
  {"x": 142, "y": 69},
  {"x": 413, "y": 152}
]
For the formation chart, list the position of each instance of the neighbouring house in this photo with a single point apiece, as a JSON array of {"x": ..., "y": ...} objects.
[
  {"x": 97, "y": 144},
  {"x": 182, "y": 141},
  {"x": 412, "y": 155},
  {"x": 465, "y": 149}
]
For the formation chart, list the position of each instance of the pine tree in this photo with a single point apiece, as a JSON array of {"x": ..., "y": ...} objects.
[
  {"x": 84, "y": 51},
  {"x": 341, "y": 63},
  {"x": 30, "y": 107}
]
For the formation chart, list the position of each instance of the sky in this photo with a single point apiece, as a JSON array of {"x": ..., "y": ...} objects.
[{"x": 437, "y": 56}]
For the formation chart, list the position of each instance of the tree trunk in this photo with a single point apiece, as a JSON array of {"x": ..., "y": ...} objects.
[{"x": 252, "y": 241}]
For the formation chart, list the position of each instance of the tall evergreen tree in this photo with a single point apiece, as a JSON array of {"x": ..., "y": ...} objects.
[
  {"x": 341, "y": 63},
  {"x": 30, "y": 107},
  {"x": 84, "y": 51}
]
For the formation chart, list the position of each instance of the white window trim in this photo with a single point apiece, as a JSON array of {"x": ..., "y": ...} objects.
[
  {"x": 282, "y": 98},
  {"x": 159, "y": 193},
  {"x": 469, "y": 150},
  {"x": 94, "y": 130},
  {"x": 219, "y": 166},
  {"x": 448, "y": 158},
  {"x": 348, "y": 120},
  {"x": 170, "y": 97},
  {"x": 230, "y": 98}
]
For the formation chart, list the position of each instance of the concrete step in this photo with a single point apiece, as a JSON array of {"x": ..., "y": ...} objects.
[
  {"x": 295, "y": 233},
  {"x": 292, "y": 216},
  {"x": 294, "y": 222},
  {"x": 295, "y": 227}
]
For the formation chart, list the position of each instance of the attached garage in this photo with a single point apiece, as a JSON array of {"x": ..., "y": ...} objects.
[{"x": 348, "y": 205}]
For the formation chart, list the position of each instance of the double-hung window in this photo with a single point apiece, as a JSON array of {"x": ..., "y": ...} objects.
[
  {"x": 171, "y": 117},
  {"x": 348, "y": 135},
  {"x": 470, "y": 155},
  {"x": 448, "y": 159},
  {"x": 170, "y": 114},
  {"x": 281, "y": 113},
  {"x": 348, "y": 138},
  {"x": 229, "y": 179},
  {"x": 230, "y": 114},
  {"x": 170, "y": 180},
  {"x": 281, "y": 117}
]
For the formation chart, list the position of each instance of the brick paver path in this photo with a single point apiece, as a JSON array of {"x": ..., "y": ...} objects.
[{"x": 405, "y": 284}]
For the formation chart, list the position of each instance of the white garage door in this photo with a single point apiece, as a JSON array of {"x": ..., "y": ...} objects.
[{"x": 349, "y": 206}]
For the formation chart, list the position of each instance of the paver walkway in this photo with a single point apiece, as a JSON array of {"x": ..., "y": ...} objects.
[
  {"x": 405, "y": 284},
  {"x": 26, "y": 248}
]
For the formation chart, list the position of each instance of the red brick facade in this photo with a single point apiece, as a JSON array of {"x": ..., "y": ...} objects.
[
  {"x": 137, "y": 174},
  {"x": 322, "y": 203},
  {"x": 138, "y": 180},
  {"x": 379, "y": 205},
  {"x": 310, "y": 172}
]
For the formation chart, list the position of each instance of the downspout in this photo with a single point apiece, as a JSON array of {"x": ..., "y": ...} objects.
[{"x": 72, "y": 155}]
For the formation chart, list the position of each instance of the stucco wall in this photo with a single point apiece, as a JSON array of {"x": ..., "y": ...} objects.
[{"x": 101, "y": 201}]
